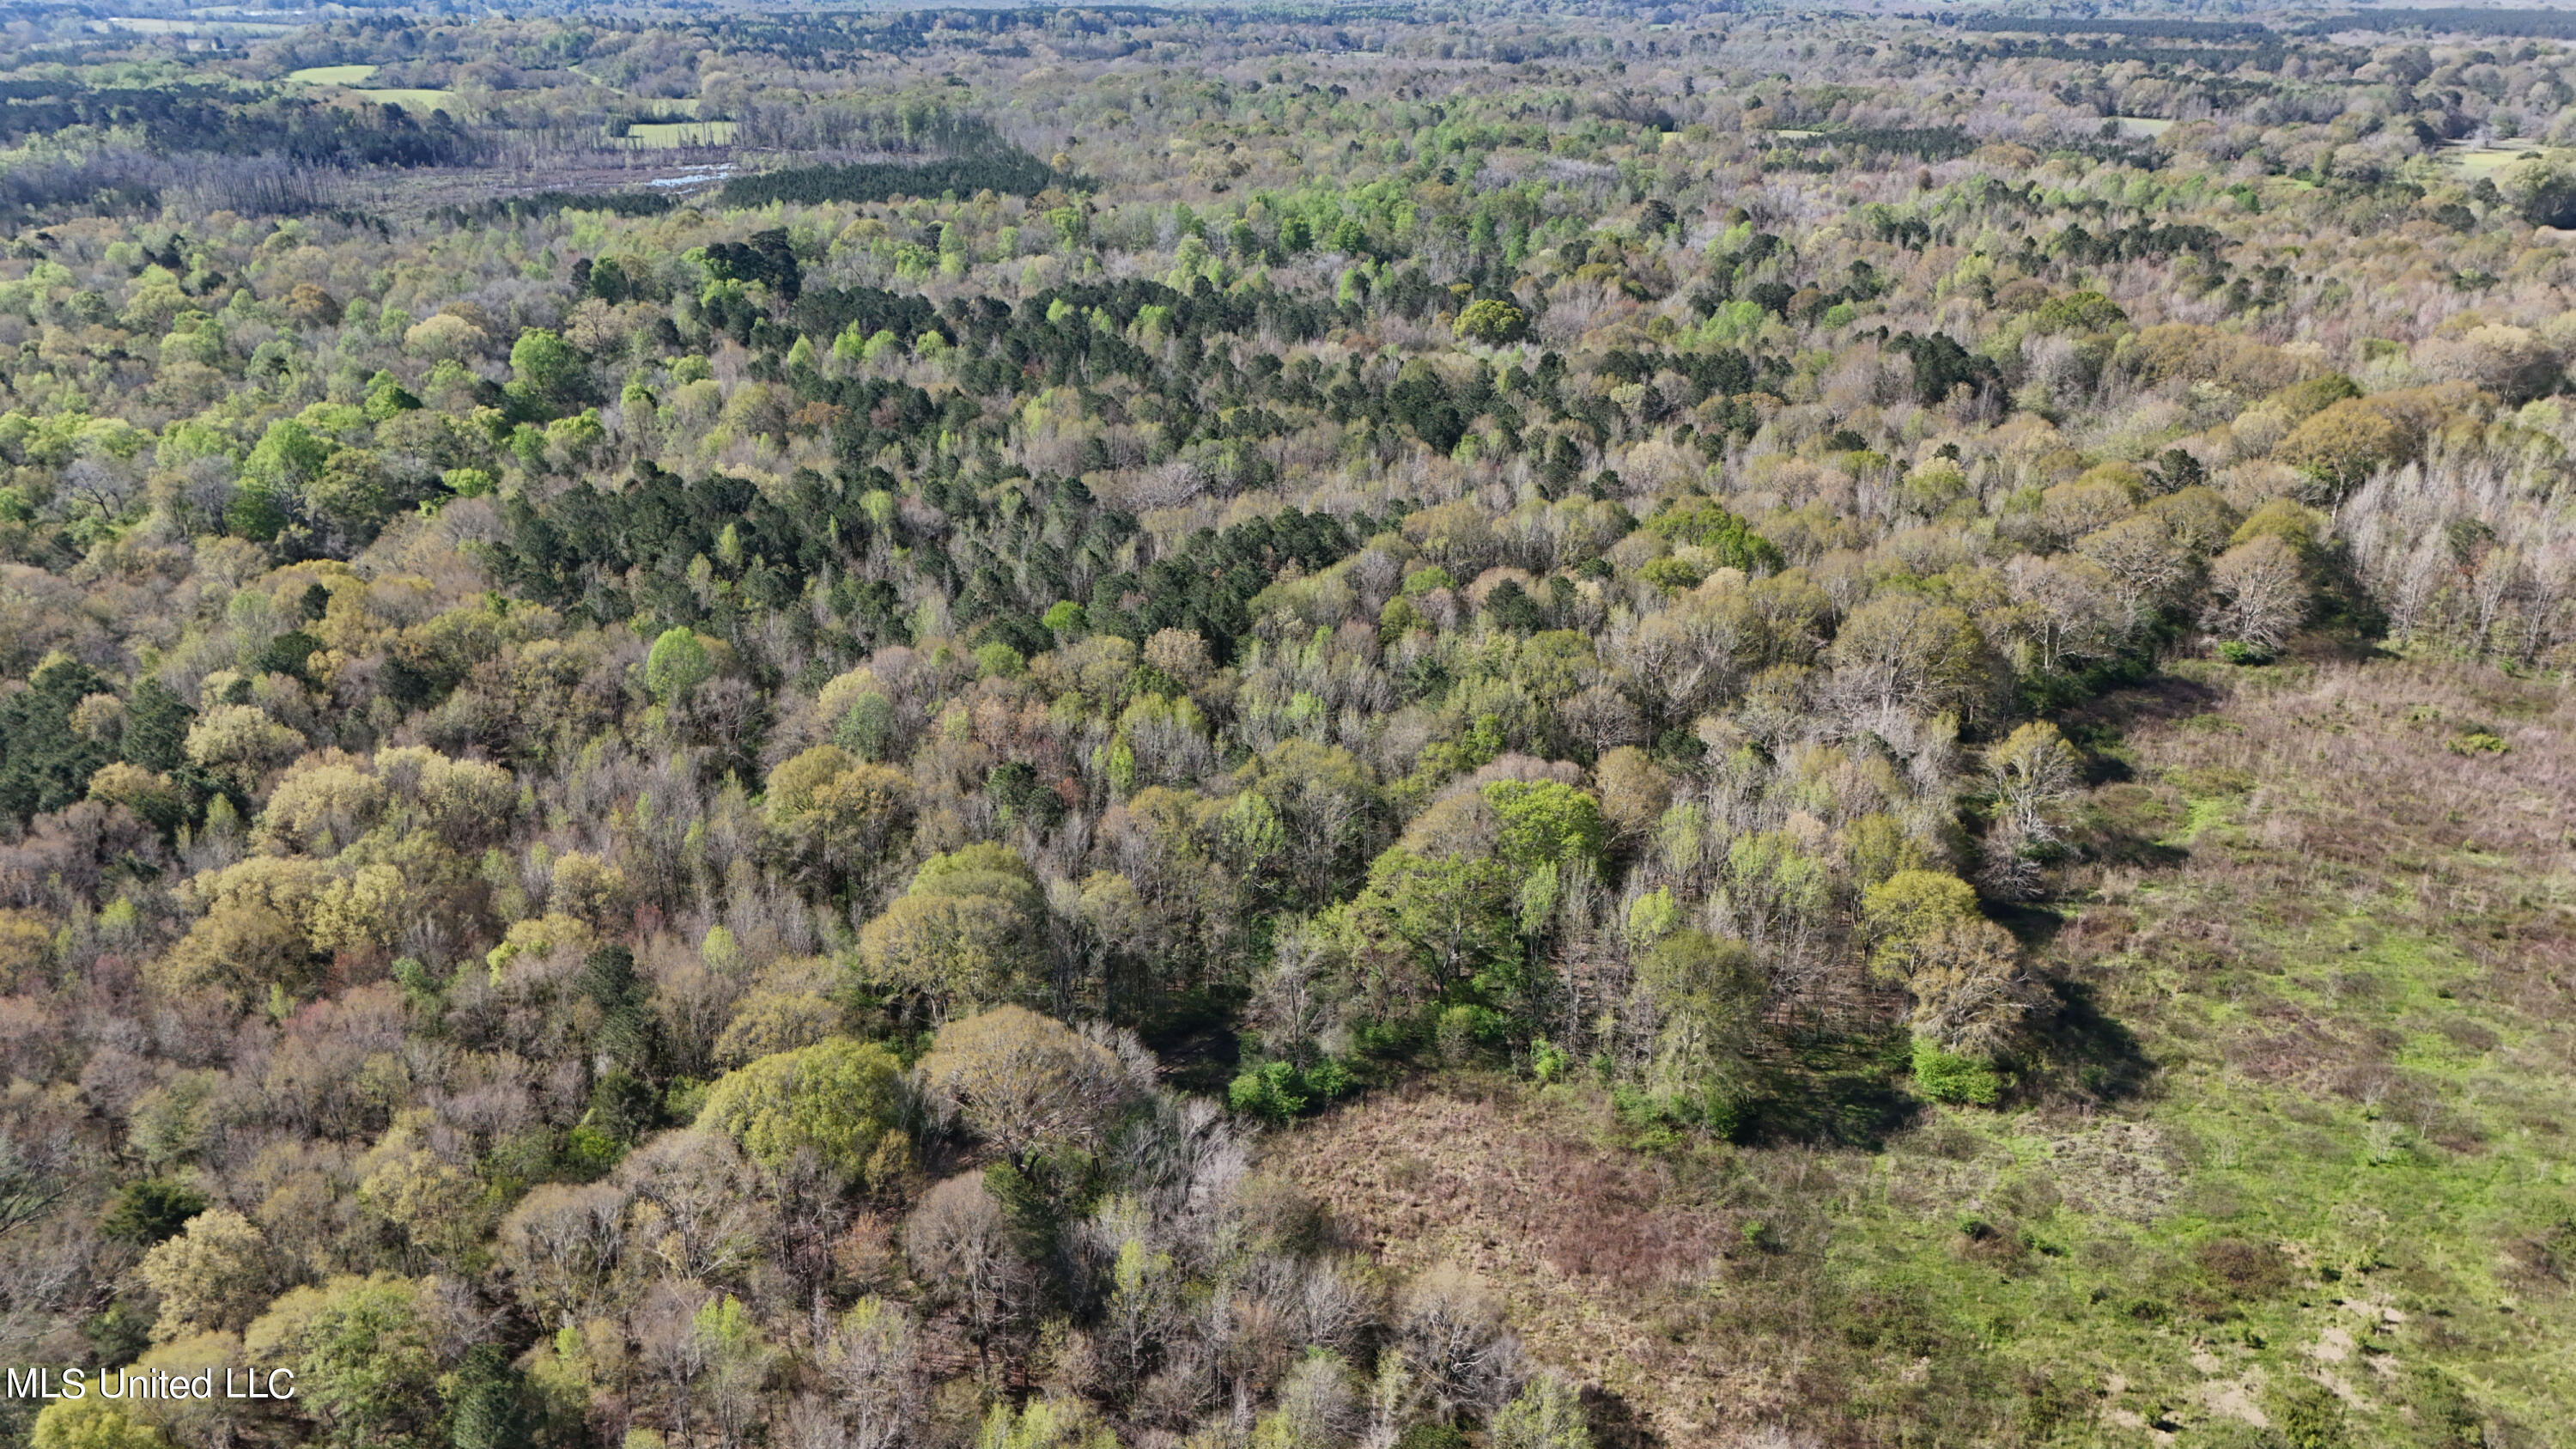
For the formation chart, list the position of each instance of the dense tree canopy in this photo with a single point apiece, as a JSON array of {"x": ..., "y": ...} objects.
[{"x": 701, "y": 715}]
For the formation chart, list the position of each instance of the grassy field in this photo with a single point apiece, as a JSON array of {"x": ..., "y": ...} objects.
[
  {"x": 422, "y": 100},
  {"x": 661, "y": 135},
  {"x": 2490, "y": 158},
  {"x": 354, "y": 78},
  {"x": 2292, "y": 1171},
  {"x": 332, "y": 75}
]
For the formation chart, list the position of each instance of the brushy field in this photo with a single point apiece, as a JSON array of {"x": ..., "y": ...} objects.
[{"x": 2293, "y": 1170}]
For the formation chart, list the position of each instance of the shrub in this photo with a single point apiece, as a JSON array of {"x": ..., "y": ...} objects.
[
  {"x": 1277, "y": 1091},
  {"x": 1547, "y": 1061},
  {"x": 1270, "y": 1091},
  {"x": 2309, "y": 1416},
  {"x": 1950, "y": 1077},
  {"x": 151, "y": 1210}
]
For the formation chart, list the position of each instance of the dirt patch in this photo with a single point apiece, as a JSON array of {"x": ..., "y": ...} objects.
[{"x": 2119, "y": 1169}]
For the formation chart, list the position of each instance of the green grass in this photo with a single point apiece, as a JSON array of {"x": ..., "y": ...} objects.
[
  {"x": 354, "y": 78},
  {"x": 332, "y": 75},
  {"x": 2365, "y": 1246},
  {"x": 412, "y": 99},
  {"x": 2487, "y": 160},
  {"x": 2348, "y": 1169}
]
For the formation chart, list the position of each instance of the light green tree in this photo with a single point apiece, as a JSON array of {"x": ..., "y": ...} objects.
[
  {"x": 968, "y": 933},
  {"x": 840, "y": 1100},
  {"x": 366, "y": 1371},
  {"x": 1705, "y": 996},
  {"x": 92, "y": 1423},
  {"x": 2032, "y": 771},
  {"x": 1547, "y": 1414},
  {"x": 677, "y": 664},
  {"x": 213, "y": 1277},
  {"x": 547, "y": 369},
  {"x": 1962, "y": 970},
  {"x": 1491, "y": 321}
]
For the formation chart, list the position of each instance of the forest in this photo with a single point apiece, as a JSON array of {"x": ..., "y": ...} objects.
[{"x": 1537, "y": 726}]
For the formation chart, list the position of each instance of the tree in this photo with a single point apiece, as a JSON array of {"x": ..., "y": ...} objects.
[
  {"x": 1906, "y": 907},
  {"x": 2033, "y": 770},
  {"x": 151, "y": 1211},
  {"x": 1451, "y": 915},
  {"x": 487, "y": 1409},
  {"x": 1323, "y": 800},
  {"x": 1029, "y": 1084},
  {"x": 873, "y": 1362},
  {"x": 1548, "y": 1414},
  {"x": 548, "y": 371},
  {"x": 214, "y": 1277},
  {"x": 959, "y": 1243},
  {"x": 240, "y": 949},
  {"x": 2065, "y": 612},
  {"x": 436, "y": 1206},
  {"x": 1904, "y": 653},
  {"x": 1451, "y": 1329},
  {"x": 2345, "y": 444},
  {"x": 840, "y": 1100},
  {"x": 1970, "y": 993},
  {"x": 1043, "y": 1424},
  {"x": 1491, "y": 321},
  {"x": 1545, "y": 822},
  {"x": 320, "y": 807},
  {"x": 968, "y": 932},
  {"x": 2545, "y": 196},
  {"x": 831, "y": 816},
  {"x": 156, "y": 727},
  {"x": 676, "y": 666},
  {"x": 737, "y": 1363},
  {"x": 365, "y": 1367},
  {"x": 35, "y": 1174},
  {"x": 694, "y": 1189},
  {"x": 1705, "y": 997},
  {"x": 289, "y": 455},
  {"x": 1319, "y": 1403},
  {"x": 469, "y": 803},
  {"x": 2146, "y": 563},
  {"x": 445, "y": 336},
  {"x": 241, "y": 744},
  {"x": 563, "y": 1246},
  {"x": 92, "y": 1423},
  {"x": 2259, "y": 594},
  {"x": 46, "y": 764},
  {"x": 767, "y": 1022},
  {"x": 1634, "y": 791}
]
